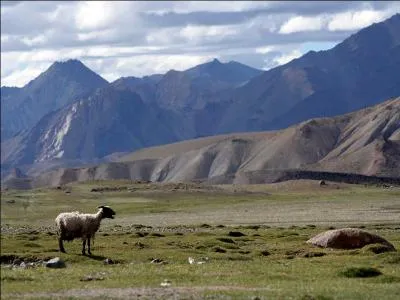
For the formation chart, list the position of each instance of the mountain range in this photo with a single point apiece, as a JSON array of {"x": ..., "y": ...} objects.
[
  {"x": 69, "y": 115},
  {"x": 365, "y": 142}
]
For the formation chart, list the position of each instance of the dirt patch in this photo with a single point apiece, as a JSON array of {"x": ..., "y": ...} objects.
[{"x": 189, "y": 293}]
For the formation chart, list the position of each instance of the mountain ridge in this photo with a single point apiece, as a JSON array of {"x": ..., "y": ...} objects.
[
  {"x": 61, "y": 84},
  {"x": 361, "y": 146},
  {"x": 358, "y": 72}
]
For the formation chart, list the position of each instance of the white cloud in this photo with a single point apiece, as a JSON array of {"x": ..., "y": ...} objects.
[
  {"x": 5, "y": 38},
  {"x": 113, "y": 68},
  {"x": 30, "y": 64},
  {"x": 214, "y": 6},
  {"x": 94, "y": 35},
  {"x": 103, "y": 51},
  {"x": 122, "y": 38},
  {"x": 196, "y": 33},
  {"x": 153, "y": 64},
  {"x": 94, "y": 14},
  {"x": 287, "y": 57},
  {"x": 355, "y": 20},
  {"x": 299, "y": 23},
  {"x": 35, "y": 41},
  {"x": 265, "y": 50},
  {"x": 161, "y": 36},
  {"x": 23, "y": 76}
]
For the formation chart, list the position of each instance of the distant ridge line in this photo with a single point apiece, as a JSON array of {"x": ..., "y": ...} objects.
[{"x": 351, "y": 178}]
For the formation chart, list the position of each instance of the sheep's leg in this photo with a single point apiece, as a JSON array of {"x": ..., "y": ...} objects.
[
  {"x": 83, "y": 246},
  {"x": 88, "y": 245},
  {"x": 61, "y": 238},
  {"x": 61, "y": 245}
]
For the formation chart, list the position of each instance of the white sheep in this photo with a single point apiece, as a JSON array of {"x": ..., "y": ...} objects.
[{"x": 71, "y": 225}]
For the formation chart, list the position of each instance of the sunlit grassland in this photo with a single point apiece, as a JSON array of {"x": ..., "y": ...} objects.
[{"x": 271, "y": 260}]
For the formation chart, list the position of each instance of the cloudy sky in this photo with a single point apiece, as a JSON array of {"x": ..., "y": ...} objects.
[{"x": 145, "y": 37}]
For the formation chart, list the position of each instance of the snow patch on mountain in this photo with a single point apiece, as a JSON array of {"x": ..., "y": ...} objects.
[{"x": 53, "y": 142}]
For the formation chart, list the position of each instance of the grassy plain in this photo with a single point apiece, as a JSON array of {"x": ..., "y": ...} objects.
[{"x": 169, "y": 223}]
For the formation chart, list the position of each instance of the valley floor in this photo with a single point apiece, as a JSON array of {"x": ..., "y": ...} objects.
[{"x": 249, "y": 240}]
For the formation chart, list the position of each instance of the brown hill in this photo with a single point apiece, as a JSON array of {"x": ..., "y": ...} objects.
[{"x": 365, "y": 142}]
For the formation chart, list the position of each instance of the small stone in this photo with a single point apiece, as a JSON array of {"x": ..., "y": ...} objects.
[
  {"x": 166, "y": 283},
  {"x": 158, "y": 261},
  {"x": 55, "y": 263},
  {"x": 86, "y": 278},
  {"x": 109, "y": 261}
]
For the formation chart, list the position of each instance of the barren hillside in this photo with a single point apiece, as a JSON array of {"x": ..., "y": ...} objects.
[{"x": 366, "y": 142}]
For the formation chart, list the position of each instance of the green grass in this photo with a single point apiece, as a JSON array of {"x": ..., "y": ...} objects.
[{"x": 270, "y": 260}]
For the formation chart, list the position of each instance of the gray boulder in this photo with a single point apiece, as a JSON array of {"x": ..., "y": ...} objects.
[{"x": 348, "y": 238}]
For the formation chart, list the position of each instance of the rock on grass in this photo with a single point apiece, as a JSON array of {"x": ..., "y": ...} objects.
[
  {"x": 55, "y": 263},
  {"x": 348, "y": 238}
]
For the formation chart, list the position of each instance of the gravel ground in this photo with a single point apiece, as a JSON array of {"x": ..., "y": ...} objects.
[{"x": 189, "y": 293}]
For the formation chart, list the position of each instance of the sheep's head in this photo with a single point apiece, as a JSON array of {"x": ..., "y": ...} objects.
[{"x": 107, "y": 212}]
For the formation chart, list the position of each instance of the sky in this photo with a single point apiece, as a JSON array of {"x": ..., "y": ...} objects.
[{"x": 138, "y": 38}]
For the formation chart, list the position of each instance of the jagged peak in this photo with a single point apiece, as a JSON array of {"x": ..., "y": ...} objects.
[
  {"x": 173, "y": 71},
  {"x": 216, "y": 61},
  {"x": 72, "y": 62}
]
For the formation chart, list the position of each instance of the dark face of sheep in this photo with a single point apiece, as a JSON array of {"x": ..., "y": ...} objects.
[{"x": 107, "y": 212}]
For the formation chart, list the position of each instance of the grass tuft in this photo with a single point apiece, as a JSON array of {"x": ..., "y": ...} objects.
[
  {"x": 226, "y": 240},
  {"x": 376, "y": 249}
]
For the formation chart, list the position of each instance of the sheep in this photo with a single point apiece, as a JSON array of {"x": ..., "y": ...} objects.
[{"x": 71, "y": 225}]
